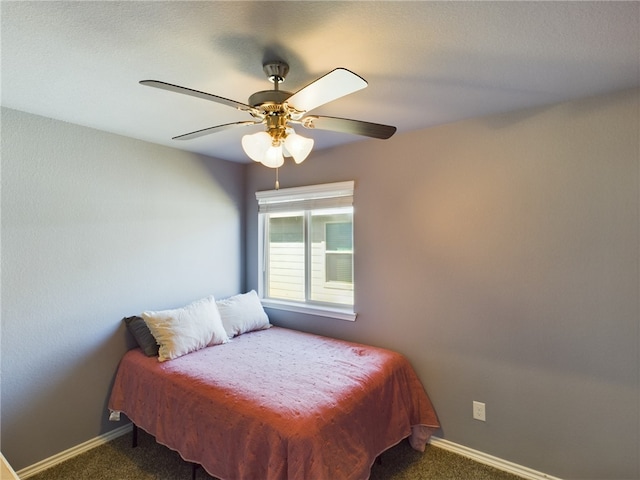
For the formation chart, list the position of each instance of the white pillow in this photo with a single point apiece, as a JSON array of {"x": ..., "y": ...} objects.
[
  {"x": 242, "y": 313},
  {"x": 187, "y": 329}
]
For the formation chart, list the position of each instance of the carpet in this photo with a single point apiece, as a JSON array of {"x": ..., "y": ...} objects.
[{"x": 117, "y": 460}]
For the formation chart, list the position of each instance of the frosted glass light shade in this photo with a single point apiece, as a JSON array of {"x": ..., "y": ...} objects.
[
  {"x": 259, "y": 147},
  {"x": 299, "y": 147},
  {"x": 273, "y": 157},
  {"x": 256, "y": 145}
]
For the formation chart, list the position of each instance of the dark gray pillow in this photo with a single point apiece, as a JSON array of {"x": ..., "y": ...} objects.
[{"x": 143, "y": 336}]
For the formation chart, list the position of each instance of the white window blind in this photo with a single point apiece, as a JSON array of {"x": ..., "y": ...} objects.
[{"x": 314, "y": 197}]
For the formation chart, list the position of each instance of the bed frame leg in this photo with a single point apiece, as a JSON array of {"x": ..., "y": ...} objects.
[
  {"x": 134, "y": 441},
  {"x": 194, "y": 468}
]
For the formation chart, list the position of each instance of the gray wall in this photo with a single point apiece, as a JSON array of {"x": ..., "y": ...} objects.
[
  {"x": 96, "y": 227},
  {"x": 501, "y": 255}
]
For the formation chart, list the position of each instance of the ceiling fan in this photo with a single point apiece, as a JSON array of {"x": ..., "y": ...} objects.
[{"x": 279, "y": 110}]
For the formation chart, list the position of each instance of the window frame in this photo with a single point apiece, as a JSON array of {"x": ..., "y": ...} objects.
[{"x": 298, "y": 199}]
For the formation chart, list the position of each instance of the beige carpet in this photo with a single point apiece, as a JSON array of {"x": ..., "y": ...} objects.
[{"x": 117, "y": 460}]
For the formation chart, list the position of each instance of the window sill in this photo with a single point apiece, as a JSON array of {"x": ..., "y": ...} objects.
[{"x": 321, "y": 311}]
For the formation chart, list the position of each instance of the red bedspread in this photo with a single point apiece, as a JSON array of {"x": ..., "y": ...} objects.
[{"x": 277, "y": 404}]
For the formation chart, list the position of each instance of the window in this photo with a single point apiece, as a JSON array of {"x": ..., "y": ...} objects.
[{"x": 306, "y": 249}]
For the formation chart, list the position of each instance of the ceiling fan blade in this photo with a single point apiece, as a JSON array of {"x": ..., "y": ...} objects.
[
  {"x": 333, "y": 85},
  {"x": 196, "y": 93},
  {"x": 216, "y": 129},
  {"x": 345, "y": 125}
]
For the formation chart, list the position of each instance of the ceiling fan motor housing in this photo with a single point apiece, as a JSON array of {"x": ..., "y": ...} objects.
[{"x": 269, "y": 100}]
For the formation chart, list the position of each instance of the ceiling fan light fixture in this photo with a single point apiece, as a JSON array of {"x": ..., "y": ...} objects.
[
  {"x": 298, "y": 146},
  {"x": 269, "y": 147}
]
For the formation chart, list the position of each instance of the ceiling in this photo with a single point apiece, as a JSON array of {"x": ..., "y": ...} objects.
[{"x": 427, "y": 63}]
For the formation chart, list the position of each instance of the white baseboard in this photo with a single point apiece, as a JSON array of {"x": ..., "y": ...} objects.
[
  {"x": 72, "y": 452},
  {"x": 490, "y": 460},
  {"x": 475, "y": 455}
]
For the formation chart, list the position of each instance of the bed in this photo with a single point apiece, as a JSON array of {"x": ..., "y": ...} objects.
[{"x": 275, "y": 403}]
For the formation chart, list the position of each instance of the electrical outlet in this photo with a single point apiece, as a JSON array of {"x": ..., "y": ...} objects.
[{"x": 479, "y": 412}]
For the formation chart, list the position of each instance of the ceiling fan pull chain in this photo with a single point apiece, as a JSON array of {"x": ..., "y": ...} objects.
[{"x": 277, "y": 181}]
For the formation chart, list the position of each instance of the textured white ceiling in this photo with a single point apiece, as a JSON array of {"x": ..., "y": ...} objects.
[{"x": 427, "y": 63}]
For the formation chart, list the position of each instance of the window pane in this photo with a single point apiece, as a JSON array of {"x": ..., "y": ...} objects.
[
  {"x": 339, "y": 267},
  {"x": 286, "y": 230},
  {"x": 331, "y": 235},
  {"x": 285, "y": 253},
  {"x": 339, "y": 236}
]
